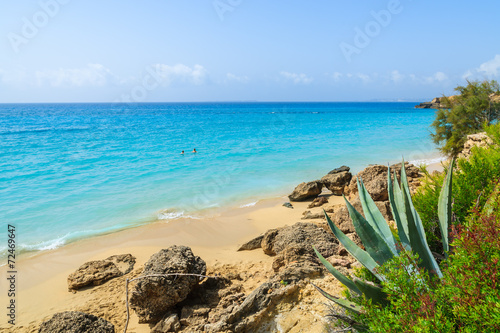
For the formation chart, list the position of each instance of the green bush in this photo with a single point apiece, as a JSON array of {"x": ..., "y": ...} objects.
[
  {"x": 466, "y": 113},
  {"x": 473, "y": 182},
  {"x": 466, "y": 299}
]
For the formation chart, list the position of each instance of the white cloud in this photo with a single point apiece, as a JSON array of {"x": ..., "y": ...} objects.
[
  {"x": 236, "y": 78},
  {"x": 440, "y": 76},
  {"x": 167, "y": 74},
  {"x": 488, "y": 69},
  {"x": 91, "y": 75},
  {"x": 396, "y": 76},
  {"x": 491, "y": 67},
  {"x": 437, "y": 77},
  {"x": 363, "y": 77},
  {"x": 337, "y": 76},
  {"x": 296, "y": 78}
]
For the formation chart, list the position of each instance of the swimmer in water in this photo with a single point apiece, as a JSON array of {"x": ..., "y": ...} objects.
[
  {"x": 194, "y": 150},
  {"x": 182, "y": 152}
]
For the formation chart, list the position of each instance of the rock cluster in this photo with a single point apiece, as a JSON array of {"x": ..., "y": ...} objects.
[
  {"x": 436, "y": 103},
  {"x": 335, "y": 181},
  {"x": 99, "y": 271}
]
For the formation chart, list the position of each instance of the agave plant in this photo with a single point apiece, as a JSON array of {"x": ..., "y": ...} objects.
[{"x": 380, "y": 243}]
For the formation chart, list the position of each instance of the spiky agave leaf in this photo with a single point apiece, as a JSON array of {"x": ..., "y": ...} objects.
[
  {"x": 372, "y": 291},
  {"x": 358, "y": 309},
  {"x": 375, "y": 217},
  {"x": 373, "y": 242},
  {"x": 416, "y": 231},
  {"x": 362, "y": 256},
  {"x": 444, "y": 208},
  {"x": 398, "y": 197},
  {"x": 397, "y": 206},
  {"x": 341, "y": 277}
]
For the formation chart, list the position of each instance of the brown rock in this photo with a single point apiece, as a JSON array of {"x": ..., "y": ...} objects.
[
  {"x": 319, "y": 201},
  {"x": 301, "y": 234},
  {"x": 306, "y": 191},
  {"x": 169, "y": 323},
  {"x": 375, "y": 180},
  {"x": 93, "y": 273},
  {"x": 308, "y": 215},
  {"x": 341, "y": 169},
  {"x": 252, "y": 244},
  {"x": 152, "y": 297},
  {"x": 99, "y": 271},
  {"x": 341, "y": 261},
  {"x": 336, "y": 182},
  {"x": 76, "y": 322},
  {"x": 475, "y": 140}
]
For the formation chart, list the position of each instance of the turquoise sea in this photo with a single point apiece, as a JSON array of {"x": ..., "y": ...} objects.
[{"x": 72, "y": 171}]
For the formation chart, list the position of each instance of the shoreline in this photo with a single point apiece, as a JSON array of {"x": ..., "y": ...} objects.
[
  {"x": 42, "y": 280},
  {"x": 433, "y": 162}
]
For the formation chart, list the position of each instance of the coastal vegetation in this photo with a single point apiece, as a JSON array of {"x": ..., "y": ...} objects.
[
  {"x": 453, "y": 285},
  {"x": 469, "y": 112},
  {"x": 474, "y": 181}
]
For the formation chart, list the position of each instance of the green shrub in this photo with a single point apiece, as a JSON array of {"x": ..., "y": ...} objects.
[
  {"x": 466, "y": 113},
  {"x": 473, "y": 182},
  {"x": 466, "y": 299}
]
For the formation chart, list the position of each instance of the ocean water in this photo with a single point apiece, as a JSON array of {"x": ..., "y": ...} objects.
[{"x": 71, "y": 171}]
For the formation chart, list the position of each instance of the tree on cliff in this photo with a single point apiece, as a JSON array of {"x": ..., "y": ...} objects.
[{"x": 466, "y": 113}]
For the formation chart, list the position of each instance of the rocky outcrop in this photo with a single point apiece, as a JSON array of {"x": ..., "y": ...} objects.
[
  {"x": 259, "y": 304},
  {"x": 436, "y": 103},
  {"x": 152, "y": 297},
  {"x": 252, "y": 244},
  {"x": 301, "y": 234},
  {"x": 475, "y": 140},
  {"x": 305, "y": 191},
  {"x": 336, "y": 182},
  {"x": 99, "y": 271},
  {"x": 293, "y": 249},
  {"x": 375, "y": 179},
  {"x": 76, "y": 322}
]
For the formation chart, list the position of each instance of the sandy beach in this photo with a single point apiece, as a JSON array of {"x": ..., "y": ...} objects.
[{"x": 42, "y": 278}]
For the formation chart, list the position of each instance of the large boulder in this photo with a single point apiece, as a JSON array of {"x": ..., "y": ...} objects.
[
  {"x": 76, "y": 322},
  {"x": 305, "y": 191},
  {"x": 99, "y": 271},
  {"x": 301, "y": 234},
  {"x": 336, "y": 182},
  {"x": 375, "y": 179},
  {"x": 152, "y": 297}
]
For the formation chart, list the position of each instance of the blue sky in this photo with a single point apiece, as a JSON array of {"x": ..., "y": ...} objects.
[{"x": 241, "y": 50}]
